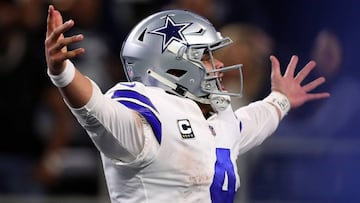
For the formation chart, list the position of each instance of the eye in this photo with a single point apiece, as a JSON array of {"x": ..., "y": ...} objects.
[{"x": 205, "y": 57}]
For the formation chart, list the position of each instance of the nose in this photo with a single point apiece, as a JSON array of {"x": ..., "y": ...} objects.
[{"x": 218, "y": 64}]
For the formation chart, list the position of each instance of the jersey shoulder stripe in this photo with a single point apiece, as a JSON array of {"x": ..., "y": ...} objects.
[
  {"x": 150, "y": 117},
  {"x": 127, "y": 94},
  {"x": 133, "y": 97}
]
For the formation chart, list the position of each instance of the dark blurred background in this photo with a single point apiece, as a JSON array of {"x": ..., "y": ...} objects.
[{"x": 313, "y": 157}]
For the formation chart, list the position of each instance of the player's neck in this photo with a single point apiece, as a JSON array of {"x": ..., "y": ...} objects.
[{"x": 206, "y": 109}]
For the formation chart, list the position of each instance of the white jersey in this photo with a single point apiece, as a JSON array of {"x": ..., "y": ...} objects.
[{"x": 178, "y": 155}]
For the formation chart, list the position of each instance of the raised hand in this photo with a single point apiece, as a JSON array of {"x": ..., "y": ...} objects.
[
  {"x": 292, "y": 86},
  {"x": 56, "y": 44}
]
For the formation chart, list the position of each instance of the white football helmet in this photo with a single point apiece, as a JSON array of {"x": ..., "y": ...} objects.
[{"x": 165, "y": 50}]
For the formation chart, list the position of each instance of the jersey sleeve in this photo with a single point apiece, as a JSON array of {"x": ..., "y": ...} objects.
[
  {"x": 258, "y": 121},
  {"x": 118, "y": 132}
]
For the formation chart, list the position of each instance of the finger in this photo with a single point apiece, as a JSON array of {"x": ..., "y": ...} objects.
[
  {"x": 275, "y": 66},
  {"x": 58, "y": 20},
  {"x": 68, "y": 55},
  {"x": 59, "y": 58},
  {"x": 65, "y": 42},
  {"x": 290, "y": 70},
  {"x": 74, "y": 53},
  {"x": 315, "y": 96},
  {"x": 313, "y": 84},
  {"x": 305, "y": 71},
  {"x": 49, "y": 22},
  {"x": 60, "y": 30},
  {"x": 54, "y": 19}
]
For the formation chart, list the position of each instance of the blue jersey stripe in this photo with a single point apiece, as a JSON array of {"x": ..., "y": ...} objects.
[
  {"x": 133, "y": 95},
  {"x": 148, "y": 115}
]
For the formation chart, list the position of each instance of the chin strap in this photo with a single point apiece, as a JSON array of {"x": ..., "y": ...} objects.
[
  {"x": 177, "y": 88},
  {"x": 217, "y": 102}
]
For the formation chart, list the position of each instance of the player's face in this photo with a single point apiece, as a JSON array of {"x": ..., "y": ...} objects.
[{"x": 206, "y": 60}]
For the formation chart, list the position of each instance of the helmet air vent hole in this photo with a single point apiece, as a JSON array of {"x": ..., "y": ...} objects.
[
  {"x": 141, "y": 37},
  {"x": 176, "y": 72},
  {"x": 201, "y": 31}
]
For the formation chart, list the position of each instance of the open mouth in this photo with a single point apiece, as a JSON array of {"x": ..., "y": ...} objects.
[{"x": 223, "y": 88}]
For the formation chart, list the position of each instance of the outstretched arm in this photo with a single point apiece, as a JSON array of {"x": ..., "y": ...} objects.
[
  {"x": 291, "y": 85},
  {"x": 78, "y": 92},
  {"x": 108, "y": 123}
]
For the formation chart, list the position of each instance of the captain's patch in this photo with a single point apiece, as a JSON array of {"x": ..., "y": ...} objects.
[{"x": 185, "y": 129}]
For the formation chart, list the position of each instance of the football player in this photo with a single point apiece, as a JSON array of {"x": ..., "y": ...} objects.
[{"x": 169, "y": 134}]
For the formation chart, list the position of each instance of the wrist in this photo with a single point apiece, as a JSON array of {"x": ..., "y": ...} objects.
[
  {"x": 65, "y": 77},
  {"x": 280, "y": 101}
]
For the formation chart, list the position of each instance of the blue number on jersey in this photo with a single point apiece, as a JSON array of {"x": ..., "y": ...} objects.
[{"x": 223, "y": 168}]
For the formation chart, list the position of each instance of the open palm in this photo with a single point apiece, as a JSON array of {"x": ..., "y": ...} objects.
[
  {"x": 56, "y": 44},
  {"x": 292, "y": 86}
]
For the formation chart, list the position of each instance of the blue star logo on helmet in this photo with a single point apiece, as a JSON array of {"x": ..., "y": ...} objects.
[{"x": 171, "y": 31}]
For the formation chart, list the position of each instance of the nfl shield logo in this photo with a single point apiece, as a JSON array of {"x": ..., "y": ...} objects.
[{"x": 212, "y": 130}]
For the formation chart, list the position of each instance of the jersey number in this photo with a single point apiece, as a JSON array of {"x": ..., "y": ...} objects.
[{"x": 222, "y": 188}]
